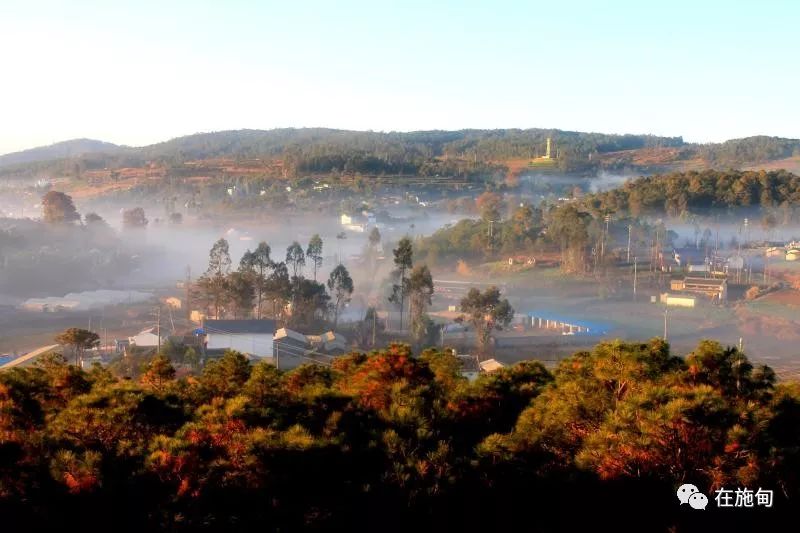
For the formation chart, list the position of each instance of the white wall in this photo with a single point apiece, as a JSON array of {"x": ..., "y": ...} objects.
[
  {"x": 259, "y": 344},
  {"x": 144, "y": 339},
  {"x": 680, "y": 302}
]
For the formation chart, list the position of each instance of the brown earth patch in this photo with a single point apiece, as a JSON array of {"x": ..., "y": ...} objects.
[
  {"x": 784, "y": 297},
  {"x": 753, "y": 324}
]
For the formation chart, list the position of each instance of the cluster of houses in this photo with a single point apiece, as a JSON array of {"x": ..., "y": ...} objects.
[
  {"x": 283, "y": 347},
  {"x": 686, "y": 291},
  {"x": 696, "y": 260},
  {"x": 707, "y": 277},
  {"x": 259, "y": 339},
  {"x": 358, "y": 222},
  {"x": 792, "y": 251}
]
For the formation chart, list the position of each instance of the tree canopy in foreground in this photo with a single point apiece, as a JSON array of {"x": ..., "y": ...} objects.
[{"x": 390, "y": 441}]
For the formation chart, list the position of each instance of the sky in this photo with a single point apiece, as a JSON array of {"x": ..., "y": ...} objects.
[{"x": 140, "y": 72}]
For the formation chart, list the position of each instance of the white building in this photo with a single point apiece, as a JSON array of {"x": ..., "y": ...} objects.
[
  {"x": 147, "y": 338},
  {"x": 491, "y": 365},
  {"x": 357, "y": 223},
  {"x": 253, "y": 337},
  {"x": 678, "y": 300}
]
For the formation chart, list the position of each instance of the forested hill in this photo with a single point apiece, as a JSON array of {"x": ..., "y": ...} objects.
[
  {"x": 423, "y": 153},
  {"x": 483, "y": 144},
  {"x": 692, "y": 192},
  {"x": 61, "y": 150}
]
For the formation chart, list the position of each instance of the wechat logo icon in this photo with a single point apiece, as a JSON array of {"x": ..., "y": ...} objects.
[{"x": 690, "y": 494}]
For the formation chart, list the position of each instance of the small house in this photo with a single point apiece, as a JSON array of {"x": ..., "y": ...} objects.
[
  {"x": 147, "y": 338},
  {"x": 120, "y": 345},
  {"x": 678, "y": 300},
  {"x": 333, "y": 342},
  {"x": 712, "y": 288},
  {"x": 491, "y": 365},
  {"x": 253, "y": 337},
  {"x": 328, "y": 342},
  {"x": 290, "y": 348}
]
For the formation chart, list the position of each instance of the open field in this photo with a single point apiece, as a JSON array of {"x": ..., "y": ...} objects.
[
  {"x": 792, "y": 164},
  {"x": 788, "y": 297},
  {"x": 768, "y": 327},
  {"x": 663, "y": 159}
]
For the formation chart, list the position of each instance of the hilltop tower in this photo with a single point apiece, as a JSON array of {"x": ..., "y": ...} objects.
[{"x": 549, "y": 160}]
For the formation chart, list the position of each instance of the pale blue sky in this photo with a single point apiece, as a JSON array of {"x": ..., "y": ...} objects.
[{"x": 144, "y": 71}]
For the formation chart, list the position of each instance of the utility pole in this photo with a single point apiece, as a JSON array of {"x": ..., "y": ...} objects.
[
  {"x": 629, "y": 244},
  {"x": 635, "y": 273},
  {"x": 189, "y": 293},
  {"x": 666, "y": 312},
  {"x": 158, "y": 327},
  {"x": 171, "y": 320},
  {"x": 103, "y": 331},
  {"x": 374, "y": 325},
  {"x": 746, "y": 231},
  {"x": 490, "y": 234}
]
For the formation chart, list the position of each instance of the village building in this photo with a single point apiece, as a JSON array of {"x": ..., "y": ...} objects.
[
  {"x": 147, "y": 338},
  {"x": 252, "y": 337},
  {"x": 678, "y": 300},
  {"x": 329, "y": 342},
  {"x": 290, "y": 349},
  {"x": 491, "y": 365},
  {"x": 715, "y": 289}
]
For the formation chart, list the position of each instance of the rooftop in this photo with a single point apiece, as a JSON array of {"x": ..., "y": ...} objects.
[
  {"x": 491, "y": 365},
  {"x": 286, "y": 333},
  {"x": 705, "y": 281},
  {"x": 238, "y": 326}
]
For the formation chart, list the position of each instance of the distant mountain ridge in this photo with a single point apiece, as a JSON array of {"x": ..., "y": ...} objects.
[
  {"x": 305, "y": 151},
  {"x": 59, "y": 150}
]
